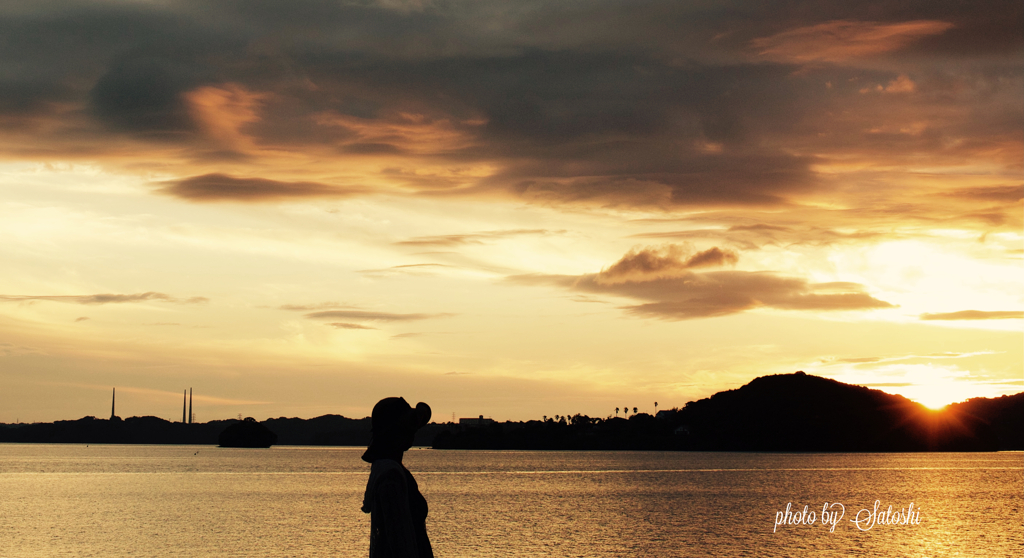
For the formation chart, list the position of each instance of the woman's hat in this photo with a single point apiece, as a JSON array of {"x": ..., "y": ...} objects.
[
  {"x": 393, "y": 414},
  {"x": 392, "y": 420}
]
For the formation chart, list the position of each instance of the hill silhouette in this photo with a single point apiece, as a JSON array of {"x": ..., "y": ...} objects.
[
  {"x": 1004, "y": 414},
  {"x": 782, "y": 412},
  {"x": 327, "y": 430},
  {"x": 799, "y": 412}
]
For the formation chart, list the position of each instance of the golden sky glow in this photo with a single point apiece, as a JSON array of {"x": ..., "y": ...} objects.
[{"x": 510, "y": 210}]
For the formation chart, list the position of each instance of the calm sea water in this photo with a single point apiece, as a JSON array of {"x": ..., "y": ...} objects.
[{"x": 110, "y": 501}]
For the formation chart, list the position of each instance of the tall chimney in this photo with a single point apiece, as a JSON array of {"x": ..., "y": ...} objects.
[
  {"x": 113, "y": 399},
  {"x": 184, "y": 401},
  {"x": 190, "y": 405}
]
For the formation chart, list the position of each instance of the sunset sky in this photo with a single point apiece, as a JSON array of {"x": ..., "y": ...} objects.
[{"x": 509, "y": 209}]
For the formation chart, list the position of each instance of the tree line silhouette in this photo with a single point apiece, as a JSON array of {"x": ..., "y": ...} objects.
[{"x": 783, "y": 412}]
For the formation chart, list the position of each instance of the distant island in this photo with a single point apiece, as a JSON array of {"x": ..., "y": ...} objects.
[
  {"x": 247, "y": 434},
  {"x": 783, "y": 412}
]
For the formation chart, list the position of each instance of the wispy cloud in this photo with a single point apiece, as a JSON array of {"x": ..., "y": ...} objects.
[
  {"x": 372, "y": 316},
  {"x": 408, "y": 269},
  {"x": 754, "y": 236},
  {"x": 314, "y": 306},
  {"x": 869, "y": 360},
  {"x": 842, "y": 40},
  {"x": 975, "y": 315},
  {"x": 347, "y": 325},
  {"x": 10, "y": 350},
  {"x": 473, "y": 238},
  {"x": 106, "y": 298}
]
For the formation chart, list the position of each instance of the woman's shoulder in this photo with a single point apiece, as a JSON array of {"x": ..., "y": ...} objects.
[{"x": 386, "y": 477}]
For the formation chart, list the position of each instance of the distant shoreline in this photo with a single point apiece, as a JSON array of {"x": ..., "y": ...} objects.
[{"x": 783, "y": 413}]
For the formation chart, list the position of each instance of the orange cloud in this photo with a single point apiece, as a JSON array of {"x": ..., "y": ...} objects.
[
  {"x": 404, "y": 133},
  {"x": 841, "y": 40},
  {"x": 222, "y": 111}
]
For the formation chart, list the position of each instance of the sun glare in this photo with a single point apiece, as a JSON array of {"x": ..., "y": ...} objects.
[
  {"x": 945, "y": 391},
  {"x": 933, "y": 386}
]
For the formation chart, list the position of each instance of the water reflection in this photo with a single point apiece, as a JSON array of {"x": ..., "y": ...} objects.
[{"x": 191, "y": 501}]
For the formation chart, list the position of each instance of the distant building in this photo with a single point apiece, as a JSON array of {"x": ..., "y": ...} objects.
[
  {"x": 665, "y": 414},
  {"x": 479, "y": 421}
]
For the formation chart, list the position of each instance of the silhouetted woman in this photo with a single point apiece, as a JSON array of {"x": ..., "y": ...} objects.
[{"x": 398, "y": 512}]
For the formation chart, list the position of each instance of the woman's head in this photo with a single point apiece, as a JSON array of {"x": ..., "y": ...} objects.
[{"x": 394, "y": 424}]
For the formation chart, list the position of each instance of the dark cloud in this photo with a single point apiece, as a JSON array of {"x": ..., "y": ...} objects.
[
  {"x": 642, "y": 264},
  {"x": 106, "y": 298},
  {"x": 23, "y": 103},
  {"x": 220, "y": 187},
  {"x": 142, "y": 96},
  {"x": 712, "y": 257},
  {"x": 992, "y": 30},
  {"x": 654, "y": 103},
  {"x": 371, "y": 316},
  {"x": 975, "y": 315}
]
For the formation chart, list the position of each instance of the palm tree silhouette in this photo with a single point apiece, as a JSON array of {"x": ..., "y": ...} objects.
[
  {"x": 634, "y": 410},
  {"x": 616, "y": 411}
]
